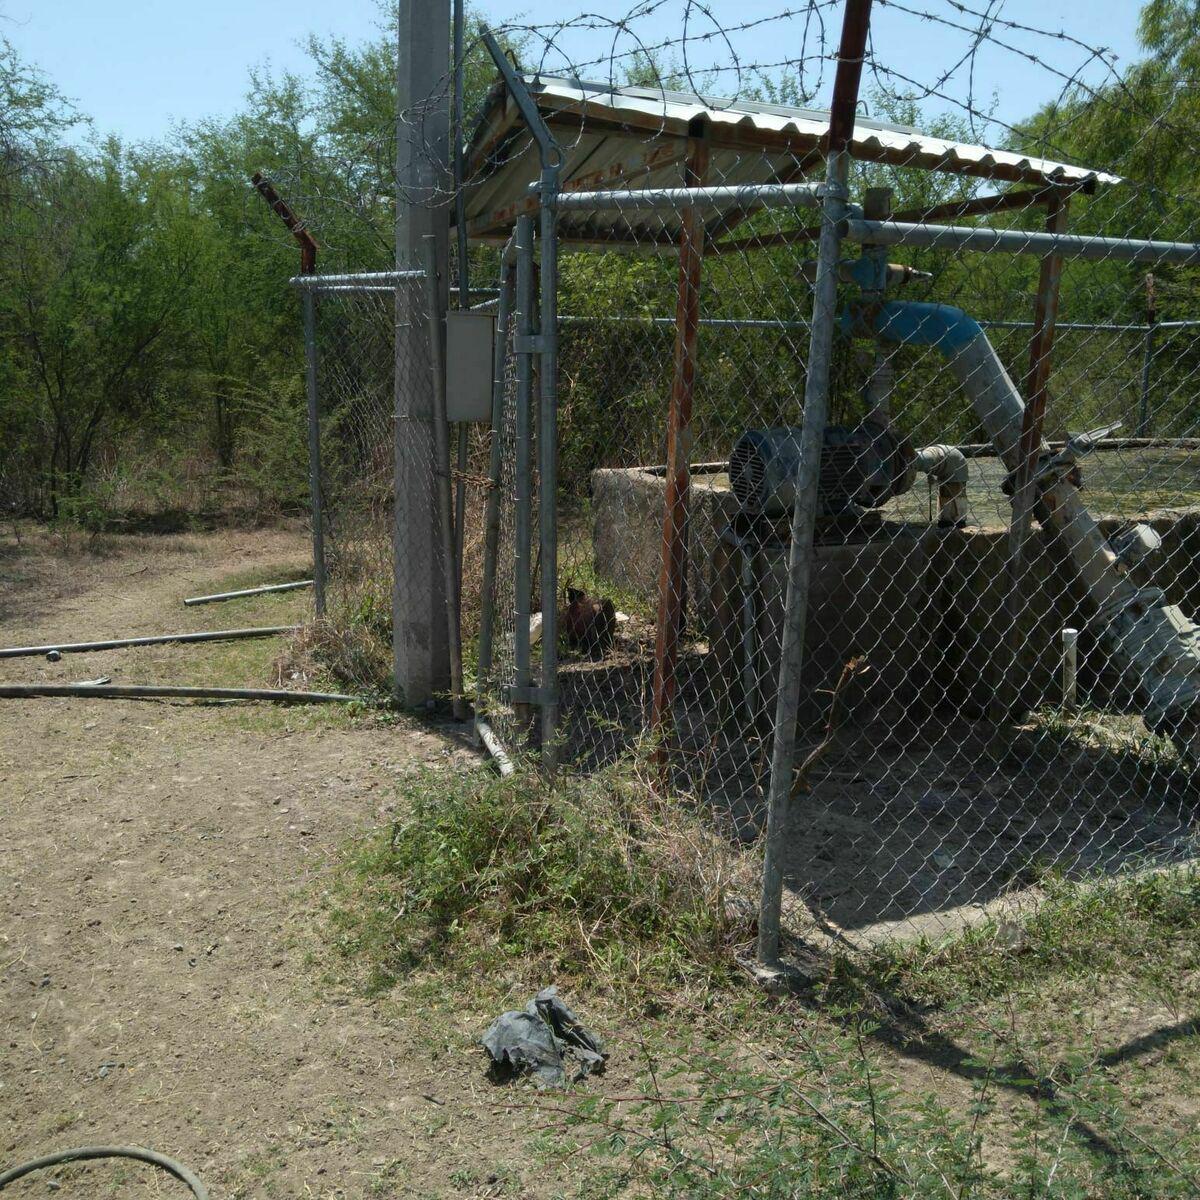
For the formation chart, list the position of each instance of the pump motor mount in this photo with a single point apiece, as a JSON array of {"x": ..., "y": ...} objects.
[{"x": 862, "y": 466}]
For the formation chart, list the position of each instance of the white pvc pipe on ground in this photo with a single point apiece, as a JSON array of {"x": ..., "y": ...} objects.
[
  {"x": 254, "y": 591},
  {"x": 160, "y": 639},
  {"x": 1070, "y": 666}
]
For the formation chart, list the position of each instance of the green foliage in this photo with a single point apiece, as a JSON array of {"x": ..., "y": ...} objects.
[
  {"x": 590, "y": 877},
  {"x": 1135, "y": 924},
  {"x": 818, "y": 1115}
]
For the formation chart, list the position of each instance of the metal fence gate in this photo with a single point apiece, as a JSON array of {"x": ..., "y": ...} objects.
[{"x": 353, "y": 372}]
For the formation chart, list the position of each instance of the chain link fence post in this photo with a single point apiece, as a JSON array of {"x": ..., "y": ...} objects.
[
  {"x": 308, "y": 301},
  {"x": 856, "y": 23}
]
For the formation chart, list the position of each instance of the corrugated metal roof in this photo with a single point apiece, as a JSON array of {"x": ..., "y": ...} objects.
[{"x": 637, "y": 137}]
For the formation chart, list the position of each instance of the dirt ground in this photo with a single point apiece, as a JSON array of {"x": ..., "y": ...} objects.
[
  {"x": 164, "y": 973},
  {"x": 160, "y": 981}
]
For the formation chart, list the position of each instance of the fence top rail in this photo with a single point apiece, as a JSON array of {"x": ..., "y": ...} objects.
[
  {"x": 1020, "y": 241},
  {"x": 360, "y": 279},
  {"x": 767, "y": 195},
  {"x": 779, "y": 323}
]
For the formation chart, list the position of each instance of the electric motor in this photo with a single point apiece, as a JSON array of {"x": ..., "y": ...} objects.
[{"x": 862, "y": 466}]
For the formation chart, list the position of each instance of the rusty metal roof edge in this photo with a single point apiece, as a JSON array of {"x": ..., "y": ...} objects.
[{"x": 673, "y": 111}]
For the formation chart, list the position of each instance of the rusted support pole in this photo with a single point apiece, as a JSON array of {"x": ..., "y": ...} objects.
[
  {"x": 308, "y": 244},
  {"x": 672, "y": 579},
  {"x": 1025, "y": 489}
]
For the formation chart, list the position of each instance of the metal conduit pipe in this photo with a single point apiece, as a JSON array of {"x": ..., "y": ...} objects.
[
  {"x": 741, "y": 195},
  {"x": 947, "y": 467},
  {"x": 1155, "y": 643}
]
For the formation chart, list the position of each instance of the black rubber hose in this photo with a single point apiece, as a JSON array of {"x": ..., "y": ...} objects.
[
  {"x": 81, "y": 1152},
  {"x": 140, "y": 691}
]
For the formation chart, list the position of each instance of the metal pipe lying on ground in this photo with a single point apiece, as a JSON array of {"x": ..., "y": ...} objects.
[
  {"x": 138, "y": 691},
  {"x": 254, "y": 591},
  {"x": 494, "y": 748},
  {"x": 219, "y": 635}
]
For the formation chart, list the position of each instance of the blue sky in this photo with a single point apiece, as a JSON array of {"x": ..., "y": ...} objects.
[{"x": 137, "y": 66}]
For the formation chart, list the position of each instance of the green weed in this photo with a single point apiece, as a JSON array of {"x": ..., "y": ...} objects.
[{"x": 594, "y": 876}]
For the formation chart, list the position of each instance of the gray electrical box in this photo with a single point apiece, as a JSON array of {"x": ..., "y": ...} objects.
[{"x": 470, "y": 337}]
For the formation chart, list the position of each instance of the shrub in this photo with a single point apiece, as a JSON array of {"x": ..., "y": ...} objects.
[{"x": 591, "y": 876}]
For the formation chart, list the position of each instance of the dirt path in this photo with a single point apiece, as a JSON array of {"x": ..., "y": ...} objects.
[{"x": 156, "y": 976}]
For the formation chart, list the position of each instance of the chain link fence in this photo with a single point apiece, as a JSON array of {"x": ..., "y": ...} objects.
[
  {"x": 358, "y": 460},
  {"x": 999, "y": 661},
  {"x": 877, "y": 523}
]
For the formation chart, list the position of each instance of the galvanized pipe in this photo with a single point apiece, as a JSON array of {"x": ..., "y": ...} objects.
[
  {"x": 548, "y": 461},
  {"x": 775, "y": 323},
  {"x": 441, "y": 432},
  {"x": 464, "y": 278},
  {"x": 158, "y": 639},
  {"x": 704, "y": 322},
  {"x": 550, "y": 155},
  {"x": 491, "y": 519},
  {"x": 360, "y": 289},
  {"x": 855, "y": 25},
  {"x": 522, "y": 473},
  {"x": 308, "y": 303},
  {"x": 367, "y": 279},
  {"x": 804, "y": 515},
  {"x": 1020, "y": 241},
  {"x": 765, "y": 195}
]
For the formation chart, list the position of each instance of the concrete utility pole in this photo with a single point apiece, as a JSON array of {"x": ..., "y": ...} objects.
[{"x": 419, "y": 637}]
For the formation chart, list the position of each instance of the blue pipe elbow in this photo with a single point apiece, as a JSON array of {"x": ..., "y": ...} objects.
[{"x": 914, "y": 323}]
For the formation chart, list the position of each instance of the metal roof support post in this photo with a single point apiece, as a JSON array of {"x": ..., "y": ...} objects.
[
  {"x": 523, "y": 476},
  {"x": 548, "y": 462},
  {"x": 441, "y": 429},
  {"x": 491, "y": 521},
  {"x": 420, "y": 639},
  {"x": 546, "y": 348},
  {"x": 1025, "y": 492},
  {"x": 672, "y": 579},
  {"x": 855, "y": 25}
]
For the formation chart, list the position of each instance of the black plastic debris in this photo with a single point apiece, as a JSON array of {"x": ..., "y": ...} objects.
[{"x": 545, "y": 1040}]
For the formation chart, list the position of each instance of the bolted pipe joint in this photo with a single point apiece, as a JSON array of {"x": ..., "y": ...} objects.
[
  {"x": 1160, "y": 646},
  {"x": 947, "y": 466}
]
